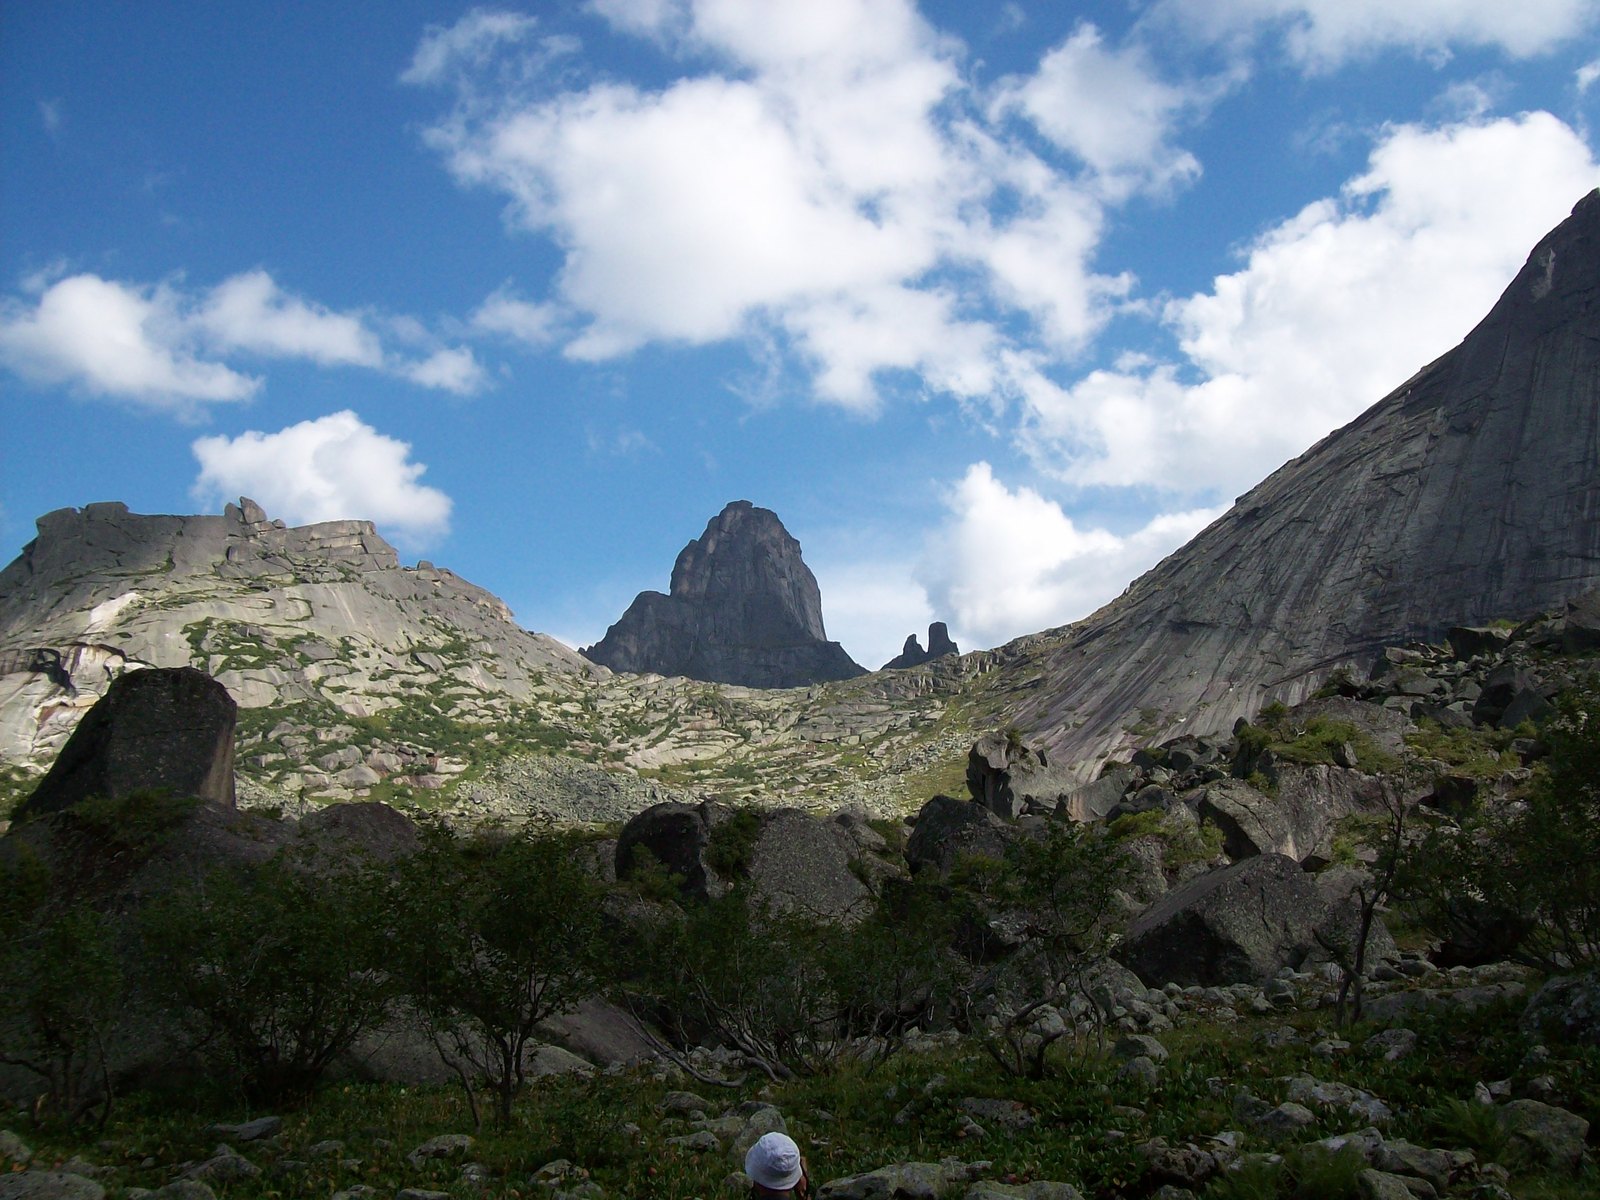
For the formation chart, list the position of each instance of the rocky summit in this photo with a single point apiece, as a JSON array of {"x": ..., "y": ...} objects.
[
  {"x": 743, "y": 609},
  {"x": 913, "y": 655},
  {"x": 1470, "y": 493}
]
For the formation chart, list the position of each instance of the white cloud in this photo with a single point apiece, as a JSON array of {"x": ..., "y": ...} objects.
[
  {"x": 445, "y": 50},
  {"x": 1107, "y": 107},
  {"x": 1333, "y": 309},
  {"x": 329, "y": 469},
  {"x": 829, "y": 186},
  {"x": 452, "y": 370},
  {"x": 159, "y": 345},
  {"x": 1321, "y": 34},
  {"x": 1587, "y": 74},
  {"x": 870, "y": 608},
  {"x": 251, "y": 312},
  {"x": 1012, "y": 562},
  {"x": 50, "y": 116},
  {"x": 522, "y": 320},
  {"x": 112, "y": 339}
]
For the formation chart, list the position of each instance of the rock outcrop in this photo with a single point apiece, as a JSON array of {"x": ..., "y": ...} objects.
[
  {"x": 321, "y": 620},
  {"x": 1471, "y": 493},
  {"x": 157, "y": 730},
  {"x": 743, "y": 609},
  {"x": 913, "y": 655}
]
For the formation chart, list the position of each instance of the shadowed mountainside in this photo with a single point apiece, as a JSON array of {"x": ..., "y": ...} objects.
[{"x": 1470, "y": 493}]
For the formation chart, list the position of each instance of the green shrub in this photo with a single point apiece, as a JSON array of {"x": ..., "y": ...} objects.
[
  {"x": 274, "y": 971},
  {"x": 732, "y": 842},
  {"x": 492, "y": 935}
]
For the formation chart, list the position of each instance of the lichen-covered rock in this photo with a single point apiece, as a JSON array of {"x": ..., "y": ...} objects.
[{"x": 948, "y": 829}]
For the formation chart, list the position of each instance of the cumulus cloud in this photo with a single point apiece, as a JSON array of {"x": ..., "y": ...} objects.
[
  {"x": 1332, "y": 309},
  {"x": 329, "y": 469},
  {"x": 831, "y": 184},
  {"x": 524, "y": 321},
  {"x": 1321, "y": 34},
  {"x": 112, "y": 339},
  {"x": 251, "y": 312},
  {"x": 1107, "y": 107},
  {"x": 869, "y": 608},
  {"x": 161, "y": 346},
  {"x": 446, "y": 49},
  {"x": 454, "y": 369},
  {"x": 1010, "y": 561},
  {"x": 1587, "y": 74}
]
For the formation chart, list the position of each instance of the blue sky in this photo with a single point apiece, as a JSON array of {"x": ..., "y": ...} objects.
[{"x": 994, "y": 305}]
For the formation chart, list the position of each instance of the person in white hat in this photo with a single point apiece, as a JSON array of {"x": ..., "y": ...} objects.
[{"x": 776, "y": 1169}]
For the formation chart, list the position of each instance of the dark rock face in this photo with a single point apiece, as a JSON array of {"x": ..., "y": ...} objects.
[
  {"x": 1236, "y": 925},
  {"x": 169, "y": 729},
  {"x": 913, "y": 655},
  {"x": 1469, "y": 494},
  {"x": 677, "y": 836},
  {"x": 948, "y": 828},
  {"x": 743, "y": 609}
]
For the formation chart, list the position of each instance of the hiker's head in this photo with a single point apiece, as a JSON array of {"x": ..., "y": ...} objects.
[{"x": 775, "y": 1167}]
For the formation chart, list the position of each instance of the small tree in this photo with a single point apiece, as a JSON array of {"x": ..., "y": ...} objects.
[
  {"x": 275, "y": 971},
  {"x": 62, "y": 989},
  {"x": 1524, "y": 876},
  {"x": 1057, "y": 896},
  {"x": 493, "y": 935}
]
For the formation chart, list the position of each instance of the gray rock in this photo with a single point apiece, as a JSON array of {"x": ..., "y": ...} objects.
[
  {"x": 904, "y": 1181},
  {"x": 1566, "y": 1008},
  {"x": 154, "y": 730},
  {"x": 1552, "y": 1134},
  {"x": 249, "y": 1131},
  {"x": 801, "y": 862},
  {"x": 948, "y": 829},
  {"x": 1235, "y": 925},
  {"x": 677, "y": 837},
  {"x": 1373, "y": 537},
  {"x": 13, "y": 1149},
  {"x": 1037, "y": 1190},
  {"x": 913, "y": 655},
  {"x": 1380, "y": 1185},
  {"x": 49, "y": 1185},
  {"x": 446, "y": 1145},
  {"x": 224, "y": 1166},
  {"x": 743, "y": 609}
]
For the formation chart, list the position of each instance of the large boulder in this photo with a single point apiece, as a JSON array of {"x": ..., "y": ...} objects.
[
  {"x": 162, "y": 729},
  {"x": 998, "y": 766},
  {"x": 802, "y": 862},
  {"x": 1254, "y": 823},
  {"x": 1240, "y": 924},
  {"x": 743, "y": 609},
  {"x": 676, "y": 837},
  {"x": 948, "y": 829}
]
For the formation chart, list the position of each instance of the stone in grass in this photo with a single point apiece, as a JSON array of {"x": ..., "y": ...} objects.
[
  {"x": 49, "y": 1185},
  {"x": 1392, "y": 1044},
  {"x": 1011, "y": 1115},
  {"x": 183, "y": 1189},
  {"x": 1438, "y": 1167},
  {"x": 1552, "y": 1134},
  {"x": 446, "y": 1145},
  {"x": 1038, "y": 1190},
  {"x": 14, "y": 1149},
  {"x": 1135, "y": 1045},
  {"x": 1380, "y": 1185},
  {"x": 249, "y": 1131},
  {"x": 1141, "y": 1071},
  {"x": 225, "y": 1165},
  {"x": 1287, "y": 1119},
  {"x": 905, "y": 1181}
]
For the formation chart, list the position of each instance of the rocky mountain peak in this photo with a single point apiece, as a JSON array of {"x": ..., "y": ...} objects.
[
  {"x": 1470, "y": 493},
  {"x": 913, "y": 655},
  {"x": 744, "y": 608}
]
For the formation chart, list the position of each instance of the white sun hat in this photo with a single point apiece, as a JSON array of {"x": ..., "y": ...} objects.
[{"x": 774, "y": 1162}]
